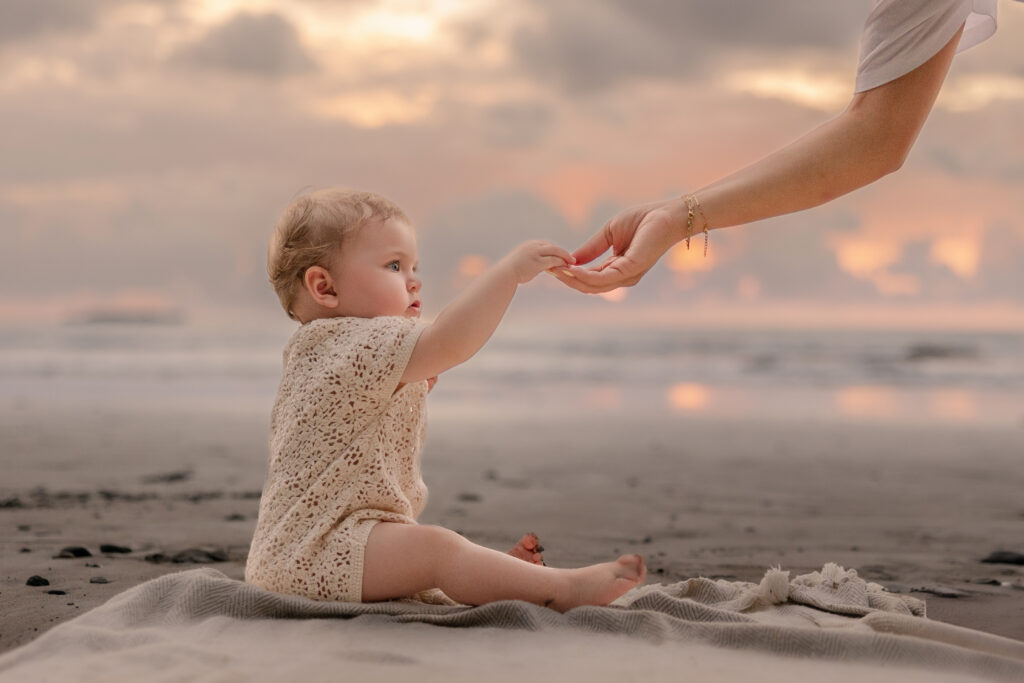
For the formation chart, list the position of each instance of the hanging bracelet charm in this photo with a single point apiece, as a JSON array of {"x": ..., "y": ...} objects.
[{"x": 693, "y": 207}]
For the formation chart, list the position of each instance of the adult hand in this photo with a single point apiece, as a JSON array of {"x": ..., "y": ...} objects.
[{"x": 638, "y": 237}]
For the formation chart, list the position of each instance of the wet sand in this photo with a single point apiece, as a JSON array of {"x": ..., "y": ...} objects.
[{"x": 914, "y": 507}]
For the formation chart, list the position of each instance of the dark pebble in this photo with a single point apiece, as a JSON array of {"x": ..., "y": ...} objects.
[
  {"x": 1004, "y": 557},
  {"x": 200, "y": 556},
  {"x": 235, "y": 518},
  {"x": 73, "y": 551},
  {"x": 99, "y": 579},
  {"x": 982, "y": 581},
  {"x": 26, "y": 550},
  {"x": 37, "y": 580},
  {"x": 92, "y": 564},
  {"x": 111, "y": 548},
  {"x": 647, "y": 539},
  {"x": 24, "y": 527},
  {"x": 57, "y": 592},
  {"x": 470, "y": 497},
  {"x": 168, "y": 477},
  {"x": 190, "y": 556}
]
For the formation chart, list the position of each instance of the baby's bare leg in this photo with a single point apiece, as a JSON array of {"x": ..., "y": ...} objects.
[{"x": 403, "y": 559}]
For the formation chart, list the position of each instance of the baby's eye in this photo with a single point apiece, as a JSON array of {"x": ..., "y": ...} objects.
[{"x": 394, "y": 266}]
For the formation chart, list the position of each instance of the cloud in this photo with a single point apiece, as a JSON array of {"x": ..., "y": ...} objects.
[
  {"x": 516, "y": 124},
  {"x": 254, "y": 44},
  {"x": 584, "y": 46},
  {"x": 790, "y": 258},
  {"x": 25, "y": 19},
  {"x": 1000, "y": 272}
]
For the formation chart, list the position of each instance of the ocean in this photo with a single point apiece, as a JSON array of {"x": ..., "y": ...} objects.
[{"x": 541, "y": 371}]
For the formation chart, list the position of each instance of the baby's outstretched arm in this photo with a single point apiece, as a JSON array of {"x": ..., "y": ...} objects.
[{"x": 467, "y": 323}]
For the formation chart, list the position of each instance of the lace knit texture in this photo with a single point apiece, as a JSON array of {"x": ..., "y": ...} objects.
[{"x": 344, "y": 455}]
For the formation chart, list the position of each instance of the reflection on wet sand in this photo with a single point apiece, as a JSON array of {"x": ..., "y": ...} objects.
[
  {"x": 687, "y": 397},
  {"x": 867, "y": 401},
  {"x": 953, "y": 404}
]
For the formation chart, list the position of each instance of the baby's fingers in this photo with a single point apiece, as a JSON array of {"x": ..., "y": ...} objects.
[
  {"x": 554, "y": 263},
  {"x": 553, "y": 250}
]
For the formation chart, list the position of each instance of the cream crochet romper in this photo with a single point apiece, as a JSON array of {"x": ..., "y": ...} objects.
[{"x": 344, "y": 455}]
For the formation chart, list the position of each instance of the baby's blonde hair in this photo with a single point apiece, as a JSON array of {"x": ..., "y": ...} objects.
[{"x": 312, "y": 228}]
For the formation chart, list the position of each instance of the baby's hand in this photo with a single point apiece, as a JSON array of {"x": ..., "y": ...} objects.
[{"x": 533, "y": 257}]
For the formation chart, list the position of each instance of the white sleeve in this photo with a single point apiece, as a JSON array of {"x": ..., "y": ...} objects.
[{"x": 901, "y": 35}]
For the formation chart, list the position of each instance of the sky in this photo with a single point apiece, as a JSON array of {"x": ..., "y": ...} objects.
[{"x": 149, "y": 145}]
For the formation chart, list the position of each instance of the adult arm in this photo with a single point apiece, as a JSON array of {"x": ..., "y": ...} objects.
[{"x": 868, "y": 140}]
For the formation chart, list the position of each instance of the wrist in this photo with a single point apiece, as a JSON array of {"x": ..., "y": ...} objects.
[
  {"x": 696, "y": 221},
  {"x": 508, "y": 269}
]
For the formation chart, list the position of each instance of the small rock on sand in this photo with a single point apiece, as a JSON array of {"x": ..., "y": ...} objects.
[
  {"x": 73, "y": 551},
  {"x": 191, "y": 555},
  {"x": 1004, "y": 557},
  {"x": 99, "y": 579},
  {"x": 36, "y": 580},
  {"x": 55, "y": 592},
  {"x": 985, "y": 581},
  {"x": 113, "y": 549},
  {"x": 168, "y": 477}
]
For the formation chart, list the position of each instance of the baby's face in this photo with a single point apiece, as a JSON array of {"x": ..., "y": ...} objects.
[{"x": 375, "y": 271}]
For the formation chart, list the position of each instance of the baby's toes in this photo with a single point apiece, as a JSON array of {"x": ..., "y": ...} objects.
[{"x": 528, "y": 549}]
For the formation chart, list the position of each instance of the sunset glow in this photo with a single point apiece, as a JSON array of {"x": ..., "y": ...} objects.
[
  {"x": 472, "y": 265},
  {"x": 953, "y": 404},
  {"x": 960, "y": 254},
  {"x": 375, "y": 108},
  {"x": 827, "y": 92},
  {"x": 683, "y": 259},
  {"x": 688, "y": 397},
  {"x": 615, "y": 296},
  {"x": 864, "y": 257},
  {"x": 866, "y": 401},
  {"x": 978, "y": 90}
]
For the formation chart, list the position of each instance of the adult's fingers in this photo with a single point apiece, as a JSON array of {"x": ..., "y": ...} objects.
[
  {"x": 595, "y": 246},
  {"x": 597, "y": 281},
  {"x": 563, "y": 276}
]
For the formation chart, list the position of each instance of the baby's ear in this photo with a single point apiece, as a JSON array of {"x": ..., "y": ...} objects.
[{"x": 320, "y": 285}]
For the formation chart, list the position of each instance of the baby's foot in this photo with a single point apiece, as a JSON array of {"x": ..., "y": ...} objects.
[
  {"x": 599, "y": 584},
  {"x": 528, "y": 549}
]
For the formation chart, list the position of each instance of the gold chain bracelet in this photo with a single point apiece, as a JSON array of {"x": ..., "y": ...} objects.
[{"x": 693, "y": 207}]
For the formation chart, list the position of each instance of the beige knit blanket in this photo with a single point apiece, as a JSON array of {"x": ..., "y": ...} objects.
[{"x": 827, "y": 626}]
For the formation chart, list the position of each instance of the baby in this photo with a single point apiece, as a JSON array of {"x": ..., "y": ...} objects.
[{"x": 337, "y": 519}]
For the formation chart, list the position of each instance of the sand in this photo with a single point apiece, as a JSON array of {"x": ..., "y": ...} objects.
[{"x": 914, "y": 507}]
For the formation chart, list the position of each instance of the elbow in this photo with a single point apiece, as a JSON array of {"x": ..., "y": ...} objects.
[
  {"x": 895, "y": 155},
  {"x": 885, "y": 141}
]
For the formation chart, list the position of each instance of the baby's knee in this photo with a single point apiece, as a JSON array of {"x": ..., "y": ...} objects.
[{"x": 443, "y": 539}]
